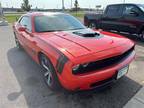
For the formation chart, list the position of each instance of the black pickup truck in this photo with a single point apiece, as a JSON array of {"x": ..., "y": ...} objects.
[{"x": 127, "y": 18}]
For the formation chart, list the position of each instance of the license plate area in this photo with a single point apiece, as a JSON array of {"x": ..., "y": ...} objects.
[{"x": 122, "y": 72}]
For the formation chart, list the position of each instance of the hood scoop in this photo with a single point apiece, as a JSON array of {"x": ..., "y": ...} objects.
[{"x": 86, "y": 33}]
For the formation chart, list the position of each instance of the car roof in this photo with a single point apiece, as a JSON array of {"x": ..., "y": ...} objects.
[
  {"x": 43, "y": 13},
  {"x": 123, "y": 4}
]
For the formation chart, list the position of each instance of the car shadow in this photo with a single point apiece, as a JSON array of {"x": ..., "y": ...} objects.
[{"x": 37, "y": 95}]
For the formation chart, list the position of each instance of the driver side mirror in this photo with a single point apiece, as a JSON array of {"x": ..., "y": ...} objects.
[{"x": 21, "y": 29}]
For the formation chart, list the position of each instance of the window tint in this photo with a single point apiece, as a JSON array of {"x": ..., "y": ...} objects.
[
  {"x": 128, "y": 9},
  {"x": 60, "y": 22},
  {"x": 113, "y": 10},
  {"x": 25, "y": 21}
]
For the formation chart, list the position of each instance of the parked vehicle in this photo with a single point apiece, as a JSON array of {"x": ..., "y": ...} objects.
[
  {"x": 119, "y": 17},
  {"x": 74, "y": 57}
]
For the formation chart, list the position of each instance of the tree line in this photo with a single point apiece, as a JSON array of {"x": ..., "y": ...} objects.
[{"x": 25, "y": 6}]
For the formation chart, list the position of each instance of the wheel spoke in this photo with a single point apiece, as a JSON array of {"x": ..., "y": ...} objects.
[
  {"x": 47, "y": 74},
  {"x": 45, "y": 67},
  {"x": 44, "y": 62},
  {"x": 49, "y": 79}
]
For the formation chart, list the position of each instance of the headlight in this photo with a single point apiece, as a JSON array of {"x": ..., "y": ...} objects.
[
  {"x": 80, "y": 66},
  {"x": 76, "y": 67},
  {"x": 85, "y": 65}
]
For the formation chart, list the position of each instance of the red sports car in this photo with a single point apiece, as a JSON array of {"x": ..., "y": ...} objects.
[{"x": 74, "y": 57}]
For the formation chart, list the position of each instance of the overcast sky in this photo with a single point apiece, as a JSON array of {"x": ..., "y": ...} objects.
[{"x": 57, "y": 3}]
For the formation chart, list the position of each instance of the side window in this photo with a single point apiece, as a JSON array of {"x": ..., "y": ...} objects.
[
  {"x": 26, "y": 21},
  {"x": 113, "y": 11},
  {"x": 129, "y": 9}
]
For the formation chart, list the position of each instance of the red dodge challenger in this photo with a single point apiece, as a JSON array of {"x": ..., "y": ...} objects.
[{"x": 74, "y": 57}]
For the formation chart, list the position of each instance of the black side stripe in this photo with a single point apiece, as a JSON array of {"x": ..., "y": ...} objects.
[{"x": 61, "y": 63}]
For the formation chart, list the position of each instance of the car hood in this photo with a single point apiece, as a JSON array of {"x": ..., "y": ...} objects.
[{"x": 83, "y": 42}]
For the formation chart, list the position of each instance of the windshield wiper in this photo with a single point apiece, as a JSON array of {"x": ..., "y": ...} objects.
[{"x": 76, "y": 28}]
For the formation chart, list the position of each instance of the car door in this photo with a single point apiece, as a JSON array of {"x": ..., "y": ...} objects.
[
  {"x": 28, "y": 36},
  {"x": 110, "y": 20},
  {"x": 131, "y": 19}
]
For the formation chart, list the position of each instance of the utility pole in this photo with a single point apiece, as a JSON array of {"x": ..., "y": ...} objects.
[
  {"x": 63, "y": 8},
  {"x": 1, "y": 12},
  {"x": 123, "y": 1}
]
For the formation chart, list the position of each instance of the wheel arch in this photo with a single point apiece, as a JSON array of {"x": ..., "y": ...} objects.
[
  {"x": 39, "y": 55},
  {"x": 48, "y": 57},
  {"x": 58, "y": 85},
  {"x": 42, "y": 53}
]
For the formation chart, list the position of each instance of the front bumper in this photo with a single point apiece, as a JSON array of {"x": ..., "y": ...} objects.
[{"x": 93, "y": 79}]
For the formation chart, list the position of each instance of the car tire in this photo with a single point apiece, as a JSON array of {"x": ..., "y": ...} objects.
[
  {"x": 92, "y": 25},
  {"x": 18, "y": 45},
  {"x": 50, "y": 75}
]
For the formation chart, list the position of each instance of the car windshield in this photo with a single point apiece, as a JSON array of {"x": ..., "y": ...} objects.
[
  {"x": 59, "y": 22},
  {"x": 142, "y": 7}
]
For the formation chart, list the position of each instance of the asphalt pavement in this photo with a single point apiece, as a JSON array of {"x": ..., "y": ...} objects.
[{"x": 22, "y": 84}]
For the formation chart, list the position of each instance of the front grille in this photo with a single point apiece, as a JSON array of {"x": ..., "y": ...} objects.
[{"x": 97, "y": 65}]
